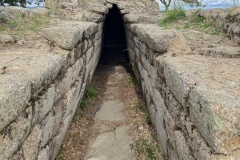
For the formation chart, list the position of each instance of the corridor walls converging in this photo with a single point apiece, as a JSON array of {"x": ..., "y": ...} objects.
[
  {"x": 48, "y": 85},
  {"x": 114, "y": 41}
]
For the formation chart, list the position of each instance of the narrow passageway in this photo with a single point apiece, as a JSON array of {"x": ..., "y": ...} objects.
[
  {"x": 113, "y": 141},
  {"x": 114, "y": 45},
  {"x": 114, "y": 126}
]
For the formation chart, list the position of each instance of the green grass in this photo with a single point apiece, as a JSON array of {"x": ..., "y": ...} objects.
[
  {"x": 173, "y": 16},
  {"x": 199, "y": 23},
  {"x": 133, "y": 81},
  {"x": 22, "y": 25},
  {"x": 144, "y": 146},
  {"x": 196, "y": 19},
  {"x": 144, "y": 111},
  {"x": 90, "y": 95}
]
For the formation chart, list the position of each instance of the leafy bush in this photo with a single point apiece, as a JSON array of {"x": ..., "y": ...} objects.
[
  {"x": 173, "y": 15},
  {"x": 196, "y": 19}
]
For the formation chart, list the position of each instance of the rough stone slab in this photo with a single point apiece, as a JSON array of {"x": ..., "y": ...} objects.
[
  {"x": 89, "y": 28},
  {"x": 18, "y": 155},
  {"x": 15, "y": 93},
  {"x": 98, "y": 8},
  {"x": 66, "y": 37},
  {"x": 50, "y": 125},
  {"x": 210, "y": 88},
  {"x": 45, "y": 103},
  {"x": 155, "y": 37},
  {"x": 222, "y": 51},
  {"x": 111, "y": 110},
  {"x": 30, "y": 146},
  {"x": 43, "y": 154},
  {"x": 39, "y": 68},
  {"x": 182, "y": 147},
  {"x": 7, "y": 39},
  {"x": 12, "y": 136},
  {"x": 72, "y": 74},
  {"x": 67, "y": 5},
  {"x": 93, "y": 17},
  {"x": 112, "y": 145}
]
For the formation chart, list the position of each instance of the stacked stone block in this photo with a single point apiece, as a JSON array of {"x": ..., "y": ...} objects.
[
  {"x": 193, "y": 109},
  {"x": 40, "y": 91}
]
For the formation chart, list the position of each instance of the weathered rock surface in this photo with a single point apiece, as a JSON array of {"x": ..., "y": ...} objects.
[
  {"x": 7, "y": 39},
  {"x": 112, "y": 145},
  {"x": 112, "y": 142},
  {"x": 40, "y": 91},
  {"x": 98, "y": 8},
  {"x": 222, "y": 51},
  {"x": 66, "y": 37},
  {"x": 212, "y": 93},
  {"x": 193, "y": 100},
  {"x": 227, "y": 19},
  {"x": 113, "y": 109},
  {"x": 24, "y": 74}
]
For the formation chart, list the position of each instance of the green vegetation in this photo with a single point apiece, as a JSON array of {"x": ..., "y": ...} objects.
[
  {"x": 90, "y": 95},
  {"x": 199, "y": 23},
  {"x": 133, "y": 81},
  {"x": 22, "y": 25},
  {"x": 144, "y": 111},
  {"x": 60, "y": 150},
  {"x": 144, "y": 146},
  {"x": 196, "y": 19},
  {"x": 173, "y": 16}
]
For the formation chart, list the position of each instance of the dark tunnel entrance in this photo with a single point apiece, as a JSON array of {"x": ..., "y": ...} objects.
[{"x": 114, "y": 43}]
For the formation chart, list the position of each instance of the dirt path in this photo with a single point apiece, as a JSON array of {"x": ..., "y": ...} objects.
[
  {"x": 119, "y": 129},
  {"x": 113, "y": 141}
]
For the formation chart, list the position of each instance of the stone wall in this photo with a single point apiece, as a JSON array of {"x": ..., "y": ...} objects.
[
  {"x": 40, "y": 90},
  {"x": 193, "y": 107},
  {"x": 227, "y": 20},
  {"x": 193, "y": 100}
]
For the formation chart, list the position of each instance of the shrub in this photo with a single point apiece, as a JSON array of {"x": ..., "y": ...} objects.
[{"x": 173, "y": 15}]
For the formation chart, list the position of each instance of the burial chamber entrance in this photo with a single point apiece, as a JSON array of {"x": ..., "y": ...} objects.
[{"x": 114, "y": 51}]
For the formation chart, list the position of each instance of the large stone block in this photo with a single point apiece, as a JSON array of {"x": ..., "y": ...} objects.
[
  {"x": 39, "y": 68},
  {"x": 44, "y": 103},
  {"x": 88, "y": 28},
  {"x": 161, "y": 130},
  {"x": 18, "y": 155},
  {"x": 182, "y": 148},
  {"x": 72, "y": 99},
  {"x": 30, "y": 145},
  {"x": 212, "y": 96},
  {"x": 155, "y": 37},
  {"x": 44, "y": 153},
  {"x": 65, "y": 37},
  {"x": 12, "y": 136},
  {"x": 15, "y": 93},
  {"x": 72, "y": 74},
  {"x": 98, "y": 8},
  {"x": 50, "y": 124}
]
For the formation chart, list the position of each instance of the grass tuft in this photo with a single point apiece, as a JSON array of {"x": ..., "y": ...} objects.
[
  {"x": 22, "y": 25},
  {"x": 90, "y": 95},
  {"x": 144, "y": 146},
  {"x": 173, "y": 15}
]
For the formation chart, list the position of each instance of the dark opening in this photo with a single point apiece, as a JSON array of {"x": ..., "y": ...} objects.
[{"x": 114, "y": 43}]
